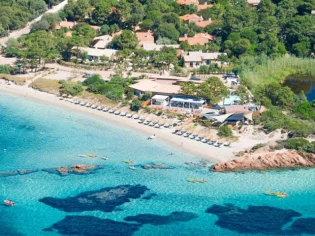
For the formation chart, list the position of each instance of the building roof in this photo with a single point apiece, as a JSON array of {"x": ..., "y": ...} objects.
[
  {"x": 187, "y": 2},
  {"x": 235, "y": 117},
  {"x": 190, "y": 17},
  {"x": 200, "y": 38},
  {"x": 220, "y": 118},
  {"x": 146, "y": 85},
  {"x": 237, "y": 109},
  {"x": 253, "y": 2},
  {"x": 199, "y": 56},
  {"x": 65, "y": 24},
  {"x": 98, "y": 52},
  {"x": 313, "y": 12},
  {"x": 204, "y": 6},
  {"x": 155, "y": 47},
  {"x": 188, "y": 99},
  {"x": 159, "y": 97},
  {"x": 145, "y": 37},
  {"x": 203, "y": 23},
  {"x": 101, "y": 41}
]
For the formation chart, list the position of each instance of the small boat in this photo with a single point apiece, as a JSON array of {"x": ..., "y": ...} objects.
[
  {"x": 128, "y": 115},
  {"x": 77, "y": 102},
  {"x": 104, "y": 157},
  {"x": 180, "y": 133},
  {"x": 82, "y": 103},
  {"x": 204, "y": 140},
  {"x": 83, "y": 156},
  {"x": 123, "y": 114},
  {"x": 166, "y": 125},
  {"x": 197, "y": 138},
  {"x": 192, "y": 136},
  {"x": 93, "y": 106},
  {"x": 151, "y": 124},
  {"x": 135, "y": 117},
  {"x": 226, "y": 144},
  {"x": 8, "y": 202},
  {"x": 128, "y": 161},
  {"x": 157, "y": 126},
  {"x": 203, "y": 181},
  {"x": 88, "y": 105},
  {"x": 105, "y": 109},
  {"x": 185, "y": 135},
  {"x": 111, "y": 111},
  {"x": 145, "y": 122},
  {"x": 132, "y": 167},
  {"x": 99, "y": 108},
  {"x": 92, "y": 155},
  {"x": 192, "y": 180},
  {"x": 117, "y": 112},
  {"x": 277, "y": 194},
  {"x": 152, "y": 136},
  {"x": 175, "y": 131},
  {"x": 140, "y": 121}
]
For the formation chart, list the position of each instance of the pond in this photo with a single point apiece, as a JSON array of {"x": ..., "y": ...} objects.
[{"x": 302, "y": 82}]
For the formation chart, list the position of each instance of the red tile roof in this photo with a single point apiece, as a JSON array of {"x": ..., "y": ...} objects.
[
  {"x": 190, "y": 17},
  {"x": 146, "y": 37},
  {"x": 204, "y": 6},
  {"x": 187, "y": 2}
]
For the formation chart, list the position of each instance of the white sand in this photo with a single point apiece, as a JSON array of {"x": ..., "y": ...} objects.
[{"x": 191, "y": 146}]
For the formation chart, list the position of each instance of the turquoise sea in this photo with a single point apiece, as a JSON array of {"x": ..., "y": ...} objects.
[{"x": 116, "y": 200}]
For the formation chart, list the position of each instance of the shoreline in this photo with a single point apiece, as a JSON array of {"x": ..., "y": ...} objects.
[{"x": 165, "y": 135}]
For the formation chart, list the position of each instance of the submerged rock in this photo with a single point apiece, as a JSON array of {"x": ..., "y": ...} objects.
[
  {"x": 156, "y": 166},
  {"x": 267, "y": 160},
  {"x": 162, "y": 220},
  {"x": 106, "y": 199},
  {"x": 17, "y": 172},
  {"x": 262, "y": 220},
  {"x": 92, "y": 226},
  {"x": 76, "y": 169}
]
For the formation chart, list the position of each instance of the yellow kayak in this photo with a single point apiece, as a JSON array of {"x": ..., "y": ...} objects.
[{"x": 128, "y": 161}]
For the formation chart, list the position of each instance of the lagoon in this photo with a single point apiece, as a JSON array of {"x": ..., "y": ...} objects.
[
  {"x": 116, "y": 200},
  {"x": 303, "y": 83}
]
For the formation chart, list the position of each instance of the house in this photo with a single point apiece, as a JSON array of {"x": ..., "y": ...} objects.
[
  {"x": 253, "y": 3},
  {"x": 96, "y": 54},
  {"x": 244, "y": 109},
  {"x": 65, "y": 24},
  {"x": 196, "y": 59},
  {"x": 145, "y": 37},
  {"x": 191, "y": 18},
  {"x": 184, "y": 102},
  {"x": 147, "y": 85},
  {"x": 200, "y": 38},
  {"x": 101, "y": 42},
  {"x": 204, "y": 6},
  {"x": 187, "y": 2}
]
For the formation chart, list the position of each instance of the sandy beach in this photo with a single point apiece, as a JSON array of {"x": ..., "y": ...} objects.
[{"x": 208, "y": 152}]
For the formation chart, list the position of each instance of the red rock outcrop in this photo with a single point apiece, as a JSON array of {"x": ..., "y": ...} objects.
[{"x": 267, "y": 160}]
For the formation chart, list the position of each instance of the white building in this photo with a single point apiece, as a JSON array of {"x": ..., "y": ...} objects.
[{"x": 197, "y": 59}]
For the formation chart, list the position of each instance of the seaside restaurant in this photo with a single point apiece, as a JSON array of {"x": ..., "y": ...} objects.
[{"x": 186, "y": 103}]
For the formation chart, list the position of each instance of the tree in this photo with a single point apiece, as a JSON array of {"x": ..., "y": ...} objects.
[
  {"x": 105, "y": 29},
  {"x": 188, "y": 88},
  {"x": 101, "y": 13},
  {"x": 213, "y": 89},
  {"x": 167, "y": 30},
  {"x": 166, "y": 57},
  {"x": 126, "y": 40},
  {"x": 242, "y": 92}
]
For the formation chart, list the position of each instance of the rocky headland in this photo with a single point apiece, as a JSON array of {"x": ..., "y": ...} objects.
[{"x": 265, "y": 160}]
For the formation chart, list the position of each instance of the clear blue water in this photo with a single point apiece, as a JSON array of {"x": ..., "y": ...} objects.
[{"x": 36, "y": 136}]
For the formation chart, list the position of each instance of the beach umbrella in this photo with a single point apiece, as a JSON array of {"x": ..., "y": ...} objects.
[
  {"x": 69, "y": 96},
  {"x": 64, "y": 95}
]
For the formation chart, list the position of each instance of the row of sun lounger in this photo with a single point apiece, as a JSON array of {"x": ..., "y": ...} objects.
[{"x": 201, "y": 139}]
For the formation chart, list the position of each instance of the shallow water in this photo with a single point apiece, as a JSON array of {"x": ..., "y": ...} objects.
[
  {"x": 116, "y": 200},
  {"x": 303, "y": 83}
]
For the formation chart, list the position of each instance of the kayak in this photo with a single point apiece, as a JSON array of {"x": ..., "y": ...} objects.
[
  {"x": 8, "y": 202},
  {"x": 92, "y": 155},
  {"x": 132, "y": 167},
  {"x": 203, "y": 181},
  {"x": 278, "y": 194},
  {"x": 128, "y": 161},
  {"x": 192, "y": 180}
]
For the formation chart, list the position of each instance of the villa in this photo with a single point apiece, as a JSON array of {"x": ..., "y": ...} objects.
[
  {"x": 65, "y": 24},
  {"x": 197, "y": 59},
  {"x": 191, "y": 18},
  {"x": 177, "y": 102},
  {"x": 155, "y": 87}
]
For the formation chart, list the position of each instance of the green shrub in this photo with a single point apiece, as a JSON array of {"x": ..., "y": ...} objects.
[
  {"x": 146, "y": 96},
  {"x": 70, "y": 88},
  {"x": 257, "y": 146},
  {"x": 299, "y": 144},
  {"x": 225, "y": 131},
  {"x": 94, "y": 79},
  {"x": 136, "y": 105}
]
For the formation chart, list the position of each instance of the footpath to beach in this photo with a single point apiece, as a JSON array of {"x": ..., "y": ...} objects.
[{"x": 187, "y": 145}]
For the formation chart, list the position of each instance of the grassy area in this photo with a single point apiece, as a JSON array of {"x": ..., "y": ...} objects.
[
  {"x": 261, "y": 70},
  {"x": 98, "y": 98},
  {"x": 46, "y": 85},
  {"x": 14, "y": 79}
]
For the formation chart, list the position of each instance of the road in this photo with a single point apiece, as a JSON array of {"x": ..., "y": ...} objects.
[{"x": 18, "y": 33}]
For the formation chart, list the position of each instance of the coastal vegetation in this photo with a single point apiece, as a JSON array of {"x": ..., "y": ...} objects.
[
  {"x": 299, "y": 144},
  {"x": 47, "y": 85},
  {"x": 225, "y": 131},
  {"x": 15, "y": 14}
]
